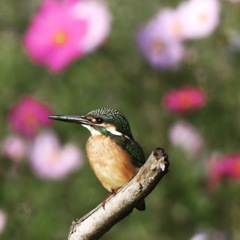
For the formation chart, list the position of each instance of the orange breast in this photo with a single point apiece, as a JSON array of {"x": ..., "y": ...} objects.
[{"x": 110, "y": 163}]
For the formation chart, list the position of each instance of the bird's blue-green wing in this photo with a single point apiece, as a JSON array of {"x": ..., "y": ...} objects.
[
  {"x": 136, "y": 153},
  {"x": 133, "y": 148}
]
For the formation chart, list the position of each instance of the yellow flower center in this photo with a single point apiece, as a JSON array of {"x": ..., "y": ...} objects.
[
  {"x": 176, "y": 28},
  {"x": 203, "y": 17},
  {"x": 30, "y": 119},
  {"x": 157, "y": 46},
  {"x": 60, "y": 37},
  {"x": 54, "y": 157},
  {"x": 185, "y": 101},
  {"x": 237, "y": 168}
]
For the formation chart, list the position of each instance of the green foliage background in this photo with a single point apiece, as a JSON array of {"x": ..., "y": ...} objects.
[{"x": 117, "y": 76}]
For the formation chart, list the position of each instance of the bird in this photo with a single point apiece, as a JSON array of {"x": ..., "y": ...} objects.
[{"x": 114, "y": 156}]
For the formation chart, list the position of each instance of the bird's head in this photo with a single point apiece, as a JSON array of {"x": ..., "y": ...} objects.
[{"x": 100, "y": 121}]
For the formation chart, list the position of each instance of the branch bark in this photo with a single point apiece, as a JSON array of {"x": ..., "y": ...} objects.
[{"x": 94, "y": 224}]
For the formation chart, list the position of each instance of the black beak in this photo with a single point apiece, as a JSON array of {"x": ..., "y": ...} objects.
[{"x": 71, "y": 118}]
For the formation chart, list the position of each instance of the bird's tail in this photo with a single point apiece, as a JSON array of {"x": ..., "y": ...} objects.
[{"x": 141, "y": 206}]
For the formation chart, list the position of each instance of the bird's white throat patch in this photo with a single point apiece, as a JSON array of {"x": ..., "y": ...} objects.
[
  {"x": 109, "y": 128},
  {"x": 93, "y": 131}
]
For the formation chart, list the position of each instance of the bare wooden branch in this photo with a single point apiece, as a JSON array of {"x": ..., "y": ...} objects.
[{"x": 94, "y": 224}]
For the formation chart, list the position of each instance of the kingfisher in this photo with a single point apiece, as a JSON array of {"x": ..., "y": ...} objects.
[{"x": 114, "y": 156}]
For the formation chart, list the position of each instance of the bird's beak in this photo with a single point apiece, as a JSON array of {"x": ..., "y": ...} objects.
[{"x": 71, "y": 118}]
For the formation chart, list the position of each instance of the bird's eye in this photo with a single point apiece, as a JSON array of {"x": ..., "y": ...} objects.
[{"x": 99, "y": 120}]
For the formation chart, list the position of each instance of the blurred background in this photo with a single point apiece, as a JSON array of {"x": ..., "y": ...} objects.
[{"x": 70, "y": 57}]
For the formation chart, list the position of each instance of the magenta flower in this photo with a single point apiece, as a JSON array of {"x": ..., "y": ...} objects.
[
  {"x": 27, "y": 116},
  {"x": 14, "y": 147},
  {"x": 51, "y": 161},
  {"x": 54, "y": 35},
  {"x": 62, "y": 31},
  {"x": 224, "y": 167},
  {"x": 187, "y": 137},
  {"x": 184, "y": 99},
  {"x": 159, "y": 41}
]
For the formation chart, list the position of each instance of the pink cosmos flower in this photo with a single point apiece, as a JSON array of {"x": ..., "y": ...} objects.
[
  {"x": 169, "y": 23},
  {"x": 54, "y": 34},
  {"x": 187, "y": 137},
  {"x": 28, "y": 115},
  {"x": 159, "y": 41},
  {"x": 3, "y": 219},
  {"x": 62, "y": 31},
  {"x": 14, "y": 147},
  {"x": 184, "y": 99},
  {"x": 224, "y": 167},
  {"x": 50, "y": 160},
  {"x": 198, "y": 18}
]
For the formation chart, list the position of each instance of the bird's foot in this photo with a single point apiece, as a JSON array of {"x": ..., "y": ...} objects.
[{"x": 113, "y": 192}]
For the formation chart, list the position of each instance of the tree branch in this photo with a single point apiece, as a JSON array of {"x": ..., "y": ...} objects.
[{"x": 94, "y": 224}]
